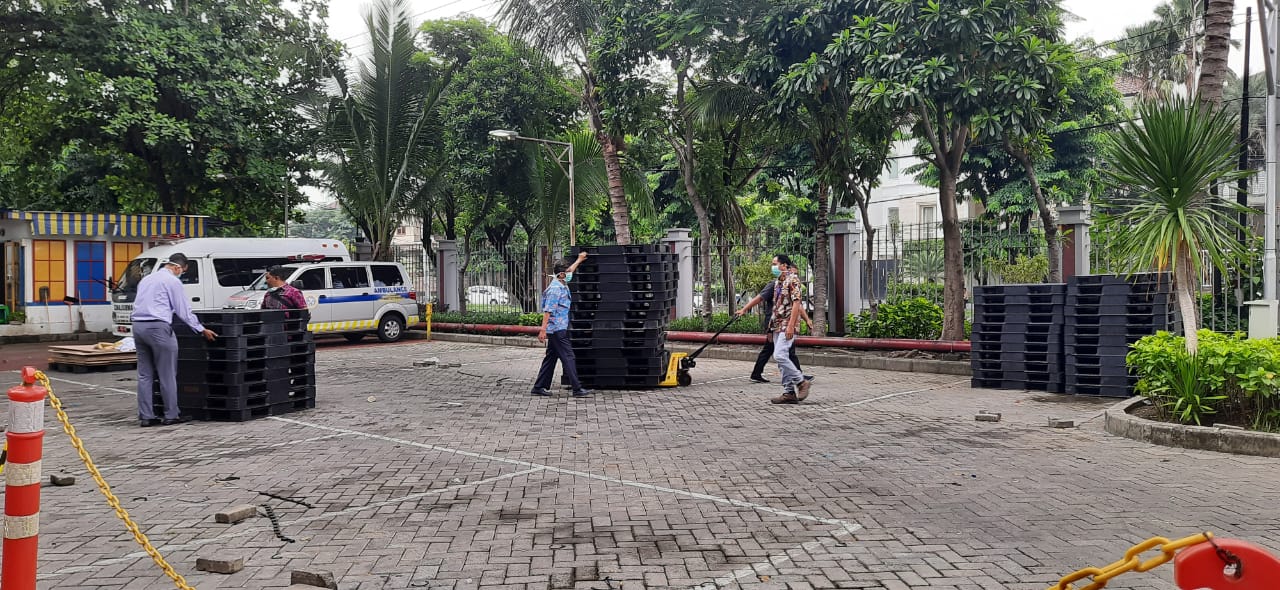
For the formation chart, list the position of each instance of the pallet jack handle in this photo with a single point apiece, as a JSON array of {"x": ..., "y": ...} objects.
[{"x": 732, "y": 319}]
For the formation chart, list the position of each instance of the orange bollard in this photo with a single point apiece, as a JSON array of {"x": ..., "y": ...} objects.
[
  {"x": 22, "y": 484},
  {"x": 1202, "y": 566}
]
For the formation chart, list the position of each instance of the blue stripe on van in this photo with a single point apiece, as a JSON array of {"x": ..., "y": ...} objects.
[{"x": 351, "y": 298}]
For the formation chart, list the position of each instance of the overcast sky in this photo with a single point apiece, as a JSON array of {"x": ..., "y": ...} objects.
[{"x": 1100, "y": 19}]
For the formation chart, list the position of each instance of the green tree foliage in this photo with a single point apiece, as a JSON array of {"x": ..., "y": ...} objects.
[
  {"x": 140, "y": 106},
  {"x": 1170, "y": 220},
  {"x": 957, "y": 66},
  {"x": 383, "y": 130}
]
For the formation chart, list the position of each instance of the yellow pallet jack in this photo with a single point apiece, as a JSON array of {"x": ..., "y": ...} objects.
[{"x": 680, "y": 362}]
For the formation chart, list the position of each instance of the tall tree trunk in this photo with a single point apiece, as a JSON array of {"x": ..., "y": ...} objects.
[
  {"x": 1217, "y": 43},
  {"x": 618, "y": 206},
  {"x": 1184, "y": 284},
  {"x": 821, "y": 268},
  {"x": 726, "y": 273},
  {"x": 869, "y": 283},
  {"x": 1046, "y": 215},
  {"x": 682, "y": 143},
  {"x": 953, "y": 303}
]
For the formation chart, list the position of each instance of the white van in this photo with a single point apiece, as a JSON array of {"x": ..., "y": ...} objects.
[
  {"x": 218, "y": 269},
  {"x": 348, "y": 298}
]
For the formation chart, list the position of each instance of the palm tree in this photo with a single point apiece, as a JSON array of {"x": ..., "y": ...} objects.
[
  {"x": 1164, "y": 51},
  {"x": 1217, "y": 43},
  {"x": 381, "y": 129},
  {"x": 1165, "y": 166},
  {"x": 564, "y": 29}
]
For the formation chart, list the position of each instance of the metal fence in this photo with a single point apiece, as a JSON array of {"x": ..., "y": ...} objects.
[
  {"x": 505, "y": 278},
  {"x": 421, "y": 268},
  {"x": 739, "y": 267},
  {"x": 908, "y": 260}
]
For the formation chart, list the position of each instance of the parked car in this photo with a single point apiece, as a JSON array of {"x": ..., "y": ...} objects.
[
  {"x": 487, "y": 295},
  {"x": 348, "y": 298}
]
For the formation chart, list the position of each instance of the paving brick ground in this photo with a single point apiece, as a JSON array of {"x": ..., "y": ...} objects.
[{"x": 438, "y": 478}]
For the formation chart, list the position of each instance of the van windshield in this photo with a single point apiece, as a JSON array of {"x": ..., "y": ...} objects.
[
  {"x": 261, "y": 283},
  {"x": 132, "y": 275}
]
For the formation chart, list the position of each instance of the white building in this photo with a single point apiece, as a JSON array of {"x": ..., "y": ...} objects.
[{"x": 902, "y": 200}]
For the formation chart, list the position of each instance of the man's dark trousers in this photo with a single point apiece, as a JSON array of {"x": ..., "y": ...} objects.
[
  {"x": 766, "y": 355},
  {"x": 558, "y": 349},
  {"x": 157, "y": 361}
]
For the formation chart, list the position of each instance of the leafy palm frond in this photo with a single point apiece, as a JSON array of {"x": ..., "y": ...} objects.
[
  {"x": 1167, "y": 163},
  {"x": 383, "y": 129}
]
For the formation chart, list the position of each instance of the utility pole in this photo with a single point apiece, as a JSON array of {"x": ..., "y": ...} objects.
[{"x": 1270, "y": 35}]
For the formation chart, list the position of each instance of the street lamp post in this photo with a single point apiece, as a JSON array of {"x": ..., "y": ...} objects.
[{"x": 562, "y": 158}]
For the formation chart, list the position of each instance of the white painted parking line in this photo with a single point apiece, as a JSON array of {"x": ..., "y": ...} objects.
[
  {"x": 887, "y": 396},
  {"x": 770, "y": 566},
  {"x": 846, "y": 525}
]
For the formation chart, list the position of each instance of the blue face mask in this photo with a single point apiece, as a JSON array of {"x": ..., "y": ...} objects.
[
  {"x": 568, "y": 277},
  {"x": 777, "y": 272}
]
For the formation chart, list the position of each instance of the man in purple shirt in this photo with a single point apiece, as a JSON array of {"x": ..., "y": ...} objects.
[{"x": 160, "y": 299}]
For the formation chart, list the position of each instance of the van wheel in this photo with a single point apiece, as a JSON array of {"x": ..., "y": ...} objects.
[
  {"x": 354, "y": 337},
  {"x": 391, "y": 328}
]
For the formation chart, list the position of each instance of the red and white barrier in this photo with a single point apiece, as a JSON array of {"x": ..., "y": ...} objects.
[{"x": 22, "y": 484}]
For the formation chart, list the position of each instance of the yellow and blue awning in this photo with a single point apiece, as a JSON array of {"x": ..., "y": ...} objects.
[{"x": 50, "y": 223}]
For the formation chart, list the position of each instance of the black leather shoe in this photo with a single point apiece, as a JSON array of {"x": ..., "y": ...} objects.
[
  {"x": 178, "y": 420},
  {"x": 758, "y": 379},
  {"x": 149, "y": 423},
  {"x": 540, "y": 392},
  {"x": 583, "y": 393}
]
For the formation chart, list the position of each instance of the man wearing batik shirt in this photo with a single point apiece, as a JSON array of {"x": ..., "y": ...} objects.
[
  {"x": 788, "y": 307},
  {"x": 555, "y": 331}
]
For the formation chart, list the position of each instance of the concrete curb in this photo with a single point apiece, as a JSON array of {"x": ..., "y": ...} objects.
[
  {"x": 1120, "y": 422},
  {"x": 806, "y": 358}
]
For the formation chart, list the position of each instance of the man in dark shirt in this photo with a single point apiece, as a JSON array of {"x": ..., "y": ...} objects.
[{"x": 765, "y": 298}]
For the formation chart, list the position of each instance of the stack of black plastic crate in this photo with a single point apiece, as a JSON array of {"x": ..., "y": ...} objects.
[
  {"x": 262, "y": 364},
  {"x": 1017, "y": 337},
  {"x": 623, "y": 297},
  {"x": 1105, "y": 315}
]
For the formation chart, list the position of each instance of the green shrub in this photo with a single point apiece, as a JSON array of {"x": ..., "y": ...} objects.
[
  {"x": 916, "y": 318},
  {"x": 748, "y": 324},
  {"x": 898, "y": 291},
  {"x": 1233, "y": 379},
  {"x": 530, "y": 319},
  {"x": 1026, "y": 270},
  {"x": 501, "y": 318}
]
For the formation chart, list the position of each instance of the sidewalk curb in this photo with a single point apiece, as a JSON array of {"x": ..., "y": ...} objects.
[
  {"x": 807, "y": 358},
  {"x": 1120, "y": 422}
]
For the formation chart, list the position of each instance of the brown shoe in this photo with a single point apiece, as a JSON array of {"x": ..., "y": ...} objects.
[
  {"x": 786, "y": 398},
  {"x": 802, "y": 390}
]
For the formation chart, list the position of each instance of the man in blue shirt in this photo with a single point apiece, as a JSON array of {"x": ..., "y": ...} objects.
[
  {"x": 160, "y": 299},
  {"x": 555, "y": 330}
]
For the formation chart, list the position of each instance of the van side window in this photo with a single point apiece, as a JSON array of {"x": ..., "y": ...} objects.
[
  {"x": 386, "y": 275},
  {"x": 191, "y": 276},
  {"x": 312, "y": 280},
  {"x": 241, "y": 272},
  {"x": 349, "y": 277}
]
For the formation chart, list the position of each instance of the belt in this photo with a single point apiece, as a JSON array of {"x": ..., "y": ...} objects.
[{"x": 148, "y": 321}]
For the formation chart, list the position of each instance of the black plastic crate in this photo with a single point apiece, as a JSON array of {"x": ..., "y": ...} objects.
[
  {"x": 991, "y": 320},
  {"x": 621, "y": 381},
  {"x": 1016, "y": 356},
  {"x": 204, "y": 365},
  {"x": 223, "y": 342},
  {"x": 997, "y": 383},
  {"x": 203, "y": 390},
  {"x": 1017, "y": 346},
  {"x": 1121, "y": 309},
  {"x": 620, "y": 353},
  {"x": 644, "y": 315},
  {"x": 226, "y": 355},
  {"x": 1095, "y": 350},
  {"x": 214, "y": 402},
  {"x": 623, "y": 306},
  {"x": 1135, "y": 321},
  {"x": 224, "y": 377},
  {"x": 592, "y": 373},
  {"x": 1117, "y": 381},
  {"x": 614, "y": 249},
  {"x": 1114, "y": 330},
  {"x": 1099, "y": 390},
  {"x": 228, "y": 317},
  {"x": 291, "y": 365},
  {"x": 1073, "y": 338}
]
